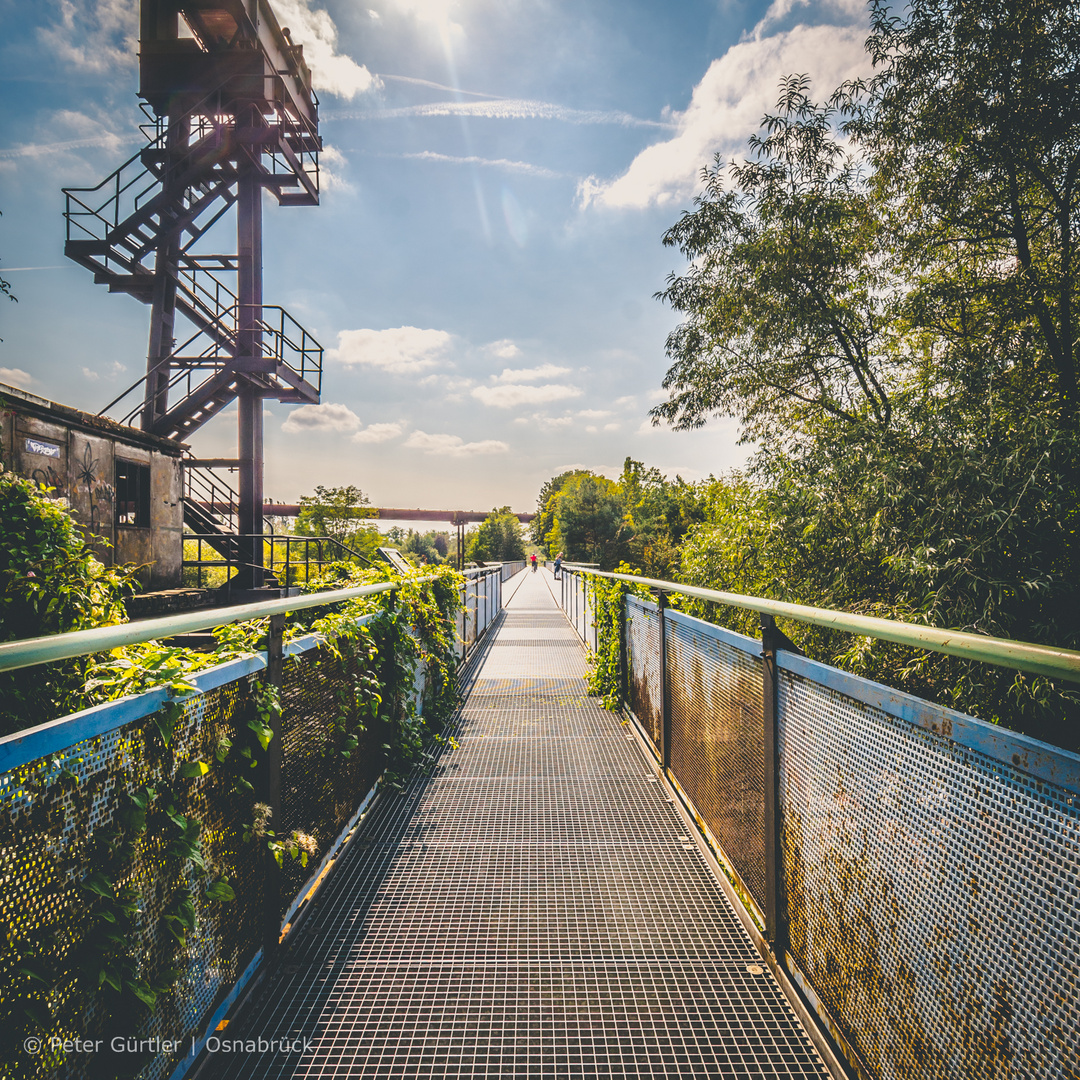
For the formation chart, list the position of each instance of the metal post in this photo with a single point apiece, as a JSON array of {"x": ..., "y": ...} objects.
[
  {"x": 163, "y": 301},
  {"x": 271, "y": 790},
  {"x": 623, "y": 651},
  {"x": 388, "y": 665},
  {"x": 776, "y": 916},
  {"x": 249, "y": 341},
  {"x": 665, "y": 688}
]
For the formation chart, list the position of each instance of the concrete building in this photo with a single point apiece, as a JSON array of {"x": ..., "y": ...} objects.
[{"x": 122, "y": 484}]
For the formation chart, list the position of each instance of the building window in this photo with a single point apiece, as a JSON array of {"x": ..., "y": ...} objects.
[{"x": 132, "y": 494}]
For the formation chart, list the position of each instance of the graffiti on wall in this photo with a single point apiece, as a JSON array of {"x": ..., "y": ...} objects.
[{"x": 99, "y": 494}]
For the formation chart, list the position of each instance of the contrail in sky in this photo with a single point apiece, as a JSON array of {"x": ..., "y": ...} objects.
[{"x": 504, "y": 109}]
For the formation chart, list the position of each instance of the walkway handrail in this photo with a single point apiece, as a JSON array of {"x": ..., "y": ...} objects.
[
  {"x": 45, "y": 650},
  {"x": 1022, "y": 655}
]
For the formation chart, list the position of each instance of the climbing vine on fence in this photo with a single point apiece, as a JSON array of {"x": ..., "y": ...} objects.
[
  {"x": 608, "y": 604},
  {"x": 132, "y": 895}
]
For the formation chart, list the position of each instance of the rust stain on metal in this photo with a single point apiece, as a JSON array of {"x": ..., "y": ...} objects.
[{"x": 717, "y": 750}]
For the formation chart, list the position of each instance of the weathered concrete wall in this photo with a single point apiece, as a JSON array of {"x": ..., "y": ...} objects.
[{"x": 75, "y": 454}]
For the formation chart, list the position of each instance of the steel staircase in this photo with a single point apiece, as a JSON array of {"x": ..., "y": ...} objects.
[{"x": 172, "y": 192}]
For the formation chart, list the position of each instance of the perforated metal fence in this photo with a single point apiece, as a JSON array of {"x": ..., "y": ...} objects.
[
  {"x": 481, "y": 602},
  {"x": 926, "y": 865},
  {"x": 57, "y": 812},
  {"x": 68, "y": 792}
]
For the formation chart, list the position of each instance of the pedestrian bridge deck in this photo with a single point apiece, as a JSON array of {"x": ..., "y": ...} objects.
[{"x": 533, "y": 906}]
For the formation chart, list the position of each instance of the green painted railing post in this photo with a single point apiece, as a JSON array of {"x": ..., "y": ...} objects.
[
  {"x": 665, "y": 685},
  {"x": 271, "y": 788},
  {"x": 624, "y": 674},
  {"x": 388, "y": 669},
  {"x": 773, "y": 639}
]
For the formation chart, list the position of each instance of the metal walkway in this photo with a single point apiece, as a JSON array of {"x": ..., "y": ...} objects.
[{"x": 533, "y": 908}]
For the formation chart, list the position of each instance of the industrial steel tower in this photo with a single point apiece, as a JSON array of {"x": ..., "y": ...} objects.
[{"x": 231, "y": 113}]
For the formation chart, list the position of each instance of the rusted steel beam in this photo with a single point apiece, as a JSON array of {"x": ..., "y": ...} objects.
[{"x": 385, "y": 513}]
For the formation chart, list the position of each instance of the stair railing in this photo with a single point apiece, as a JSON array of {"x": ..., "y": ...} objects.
[{"x": 93, "y": 219}]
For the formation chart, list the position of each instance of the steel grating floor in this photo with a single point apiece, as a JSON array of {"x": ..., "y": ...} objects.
[{"x": 531, "y": 908}]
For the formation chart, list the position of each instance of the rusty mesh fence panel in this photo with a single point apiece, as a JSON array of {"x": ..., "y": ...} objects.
[
  {"x": 643, "y": 679},
  {"x": 55, "y": 815},
  {"x": 933, "y": 888},
  {"x": 717, "y": 738},
  {"x": 320, "y": 787}
]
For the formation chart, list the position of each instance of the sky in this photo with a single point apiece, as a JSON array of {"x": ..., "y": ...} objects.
[{"x": 497, "y": 178}]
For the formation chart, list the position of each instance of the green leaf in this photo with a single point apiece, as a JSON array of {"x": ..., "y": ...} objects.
[
  {"x": 185, "y": 912},
  {"x": 141, "y": 990},
  {"x": 98, "y": 883},
  {"x": 38, "y": 1011},
  {"x": 221, "y": 892},
  {"x": 263, "y": 732},
  {"x": 165, "y": 722},
  {"x": 192, "y": 769}
]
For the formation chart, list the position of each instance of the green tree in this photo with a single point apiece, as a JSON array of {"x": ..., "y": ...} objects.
[
  {"x": 429, "y": 548},
  {"x": 5, "y": 290},
  {"x": 657, "y": 512},
  {"x": 544, "y": 527},
  {"x": 973, "y": 125},
  {"x": 338, "y": 512},
  {"x": 498, "y": 539},
  {"x": 786, "y": 294},
  {"x": 589, "y": 520},
  {"x": 51, "y": 582},
  {"x": 896, "y": 322}
]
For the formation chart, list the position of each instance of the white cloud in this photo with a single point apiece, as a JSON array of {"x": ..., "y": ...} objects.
[
  {"x": 491, "y": 163},
  {"x": 377, "y": 433},
  {"x": 840, "y": 11},
  {"x": 509, "y": 395},
  {"x": 435, "y": 12},
  {"x": 326, "y": 417},
  {"x": 519, "y": 375},
  {"x": 332, "y": 165},
  {"x": 111, "y": 372},
  {"x": 726, "y": 107},
  {"x": 545, "y": 423},
  {"x": 16, "y": 377},
  {"x": 83, "y": 131},
  {"x": 94, "y": 35},
  {"x": 504, "y": 349},
  {"x": 593, "y": 414},
  {"x": 454, "y": 445},
  {"x": 403, "y": 350},
  {"x": 330, "y": 70}
]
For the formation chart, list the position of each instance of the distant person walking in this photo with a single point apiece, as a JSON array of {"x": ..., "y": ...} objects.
[
  {"x": 532, "y": 560},
  {"x": 558, "y": 565}
]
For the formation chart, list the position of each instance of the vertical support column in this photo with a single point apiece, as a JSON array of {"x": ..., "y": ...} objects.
[
  {"x": 249, "y": 342},
  {"x": 271, "y": 790},
  {"x": 772, "y": 640},
  {"x": 665, "y": 689},
  {"x": 163, "y": 302}
]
